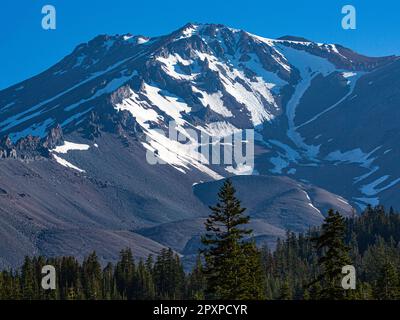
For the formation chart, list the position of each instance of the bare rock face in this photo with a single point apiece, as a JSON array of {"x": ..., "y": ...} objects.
[
  {"x": 7, "y": 148},
  {"x": 321, "y": 113},
  {"x": 54, "y": 138},
  {"x": 30, "y": 147}
]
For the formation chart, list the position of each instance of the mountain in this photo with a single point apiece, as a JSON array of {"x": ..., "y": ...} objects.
[{"x": 75, "y": 140}]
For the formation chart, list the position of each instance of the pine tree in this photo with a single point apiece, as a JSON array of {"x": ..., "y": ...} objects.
[
  {"x": 335, "y": 255},
  {"x": 232, "y": 265},
  {"x": 91, "y": 277},
  {"x": 109, "y": 285},
  {"x": 125, "y": 274},
  {"x": 29, "y": 285},
  {"x": 285, "y": 292},
  {"x": 169, "y": 277},
  {"x": 196, "y": 282},
  {"x": 144, "y": 285},
  {"x": 388, "y": 286}
]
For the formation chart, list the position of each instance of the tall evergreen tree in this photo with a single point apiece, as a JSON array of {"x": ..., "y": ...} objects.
[
  {"x": 233, "y": 266},
  {"x": 196, "y": 285},
  {"x": 334, "y": 255},
  {"x": 91, "y": 277},
  {"x": 125, "y": 274},
  {"x": 388, "y": 284}
]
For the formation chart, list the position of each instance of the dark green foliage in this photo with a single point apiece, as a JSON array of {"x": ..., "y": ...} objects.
[
  {"x": 295, "y": 268},
  {"x": 232, "y": 265},
  {"x": 291, "y": 271},
  {"x": 169, "y": 277},
  {"x": 196, "y": 284},
  {"x": 334, "y": 254}
]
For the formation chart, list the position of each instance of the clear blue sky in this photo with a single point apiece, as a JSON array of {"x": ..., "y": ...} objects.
[{"x": 26, "y": 49}]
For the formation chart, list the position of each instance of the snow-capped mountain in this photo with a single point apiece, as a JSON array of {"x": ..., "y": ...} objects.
[{"x": 322, "y": 114}]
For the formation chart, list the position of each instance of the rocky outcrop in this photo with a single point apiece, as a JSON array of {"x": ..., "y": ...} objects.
[
  {"x": 7, "y": 148},
  {"x": 54, "y": 138},
  {"x": 30, "y": 147}
]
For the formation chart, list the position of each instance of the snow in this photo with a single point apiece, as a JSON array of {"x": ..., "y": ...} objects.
[
  {"x": 181, "y": 156},
  {"x": 140, "y": 110},
  {"x": 109, "y": 43},
  {"x": 79, "y": 61},
  {"x": 59, "y": 72},
  {"x": 188, "y": 32},
  {"x": 284, "y": 159},
  {"x": 252, "y": 97},
  {"x": 127, "y": 37},
  {"x": 372, "y": 189},
  {"x": 166, "y": 102},
  {"x": 352, "y": 156},
  {"x": 365, "y": 201},
  {"x": 27, "y": 114},
  {"x": 241, "y": 169},
  {"x": 109, "y": 88},
  {"x": 271, "y": 80},
  {"x": 366, "y": 175},
  {"x": 219, "y": 129},
  {"x": 69, "y": 146},
  {"x": 309, "y": 66},
  {"x": 141, "y": 40},
  {"x": 279, "y": 164},
  {"x": 350, "y": 75},
  {"x": 76, "y": 116},
  {"x": 310, "y": 202},
  {"x": 36, "y": 130},
  {"x": 214, "y": 102},
  {"x": 171, "y": 66},
  {"x": 64, "y": 149},
  {"x": 7, "y": 106},
  {"x": 342, "y": 200},
  {"x": 67, "y": 164}
]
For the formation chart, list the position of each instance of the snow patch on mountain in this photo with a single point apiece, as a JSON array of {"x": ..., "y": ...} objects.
[
  {"x": 372, "y": 189},
  {"x": 352, "y": 156},
  {"x": 70, "y": 146},
  {"x": 309, "y": 67},
  {"x": 67, "y": 164}
]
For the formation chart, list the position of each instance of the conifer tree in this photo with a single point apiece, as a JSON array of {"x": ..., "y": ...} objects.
[
  {"x": 233, "y": 266},
  {"x": 285, "y": 292},
  {"x": 196, "y": 282},
  {"x": 388, "y": 285},
  {"x": 125, "y": 274},
  {"x": 144, "y": 285},
  {"x": 334, "y": 255},
  {"x": 91, "y": 277}
]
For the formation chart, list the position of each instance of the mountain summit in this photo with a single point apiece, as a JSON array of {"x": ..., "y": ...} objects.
[{"x": 322, "y": 114}]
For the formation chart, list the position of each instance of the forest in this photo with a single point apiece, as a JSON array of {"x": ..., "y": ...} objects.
[{"x": 231, "y": 267}]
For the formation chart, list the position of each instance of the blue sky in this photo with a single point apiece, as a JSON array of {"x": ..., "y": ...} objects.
[{"x": 26, "y": 49}]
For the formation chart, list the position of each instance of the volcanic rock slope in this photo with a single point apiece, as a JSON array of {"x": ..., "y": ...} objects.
[{"x": 75, "y": 140}]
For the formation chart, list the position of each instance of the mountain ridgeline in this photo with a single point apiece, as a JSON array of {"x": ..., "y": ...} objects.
[{"x": 74, "y": 175}]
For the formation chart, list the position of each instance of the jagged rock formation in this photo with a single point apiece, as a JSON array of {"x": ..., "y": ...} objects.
[{"x": 322, "y": 114}]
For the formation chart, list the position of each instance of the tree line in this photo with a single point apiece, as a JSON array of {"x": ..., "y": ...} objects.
[{"x": 230, "y": 265}]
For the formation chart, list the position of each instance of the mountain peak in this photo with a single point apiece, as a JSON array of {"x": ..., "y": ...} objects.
[{"x": 294, "y": 38}]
